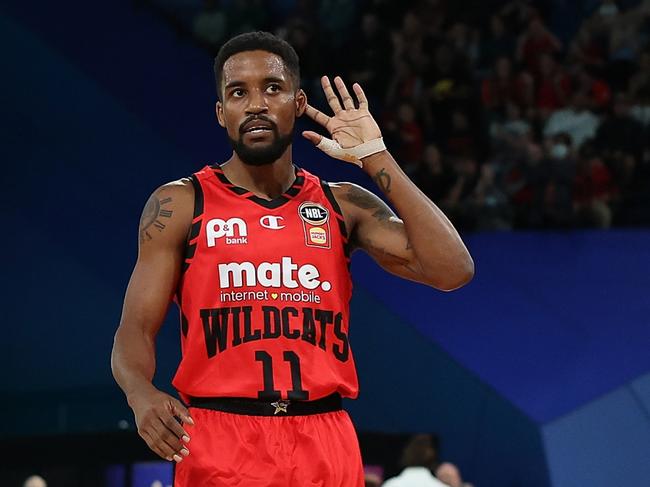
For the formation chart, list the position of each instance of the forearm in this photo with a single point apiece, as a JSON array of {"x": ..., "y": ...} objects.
[
  {"x": 438, "y": 248},
  {"x": 133, "y": 361}
]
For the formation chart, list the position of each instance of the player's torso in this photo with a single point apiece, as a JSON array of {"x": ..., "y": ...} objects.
[{"x": 264, "y": 294}]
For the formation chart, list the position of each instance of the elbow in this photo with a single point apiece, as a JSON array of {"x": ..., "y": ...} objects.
[{"x": 461, "y": 275}]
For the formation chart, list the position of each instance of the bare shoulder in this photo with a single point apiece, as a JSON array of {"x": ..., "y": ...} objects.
[{"x": 168, "y": 212}]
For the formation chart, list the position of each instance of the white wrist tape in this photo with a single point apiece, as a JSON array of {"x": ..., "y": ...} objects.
[{"x": 351, "y": 154}]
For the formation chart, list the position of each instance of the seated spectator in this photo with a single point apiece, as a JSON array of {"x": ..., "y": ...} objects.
[
  {"x": 418, "y": 458},
  {"x": 434, "y": 177},
  {"x": 593, "y": 191},
  {"x": 462, "y": 139},
  {"x": 502, "y": 87},
  {"x": 450, "y": 475},
  {"x": 620, "y": 132},
  {"x": 586, "y": 50},
  {"x": 210, "y": 26},
  {"x": 553, "y": 86},
  {"x": 405, "y": 84},
  {"x": 404, "y": 131},
  {"x": 370, "y": 55},
  {"x": 560, "y": 172},
  {"x": 575, "y": 120},
  {"x": 596, "y": 90},
  {"x": 510, "y": 131},
  {"x": 498, "y": 43},
  {"x": 490, "y": 205},
  {"x": 535, "y": 41}
]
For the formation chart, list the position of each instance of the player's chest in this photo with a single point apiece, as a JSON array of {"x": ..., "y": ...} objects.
[{"x": 255, "y": 233}]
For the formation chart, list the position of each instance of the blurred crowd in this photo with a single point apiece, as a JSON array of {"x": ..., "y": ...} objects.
[
  {"x": 501, "y": 120},
  {"x": 420, "y": 467}
]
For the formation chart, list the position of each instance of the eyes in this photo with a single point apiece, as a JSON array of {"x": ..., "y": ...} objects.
[{"x": 271, "y": 89}]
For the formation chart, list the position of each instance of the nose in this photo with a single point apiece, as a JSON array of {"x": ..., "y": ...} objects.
[{"x": 256, "y": 103}]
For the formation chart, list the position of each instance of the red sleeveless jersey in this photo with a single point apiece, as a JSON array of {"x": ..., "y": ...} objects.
[{"x": 264, "y": 295}]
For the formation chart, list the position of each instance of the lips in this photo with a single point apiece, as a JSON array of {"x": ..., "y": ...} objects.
[{"x": 257, "y": 126}]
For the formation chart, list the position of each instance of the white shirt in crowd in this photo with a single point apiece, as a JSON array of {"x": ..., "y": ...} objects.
[
  {"x": 580, "y": 125},
  {"x": 414, "y": 477}
]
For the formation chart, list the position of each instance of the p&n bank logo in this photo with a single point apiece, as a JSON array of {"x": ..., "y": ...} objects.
[{"x": 233, "y": 229}]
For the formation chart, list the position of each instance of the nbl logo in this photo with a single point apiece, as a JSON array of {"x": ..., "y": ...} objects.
[
  {"x": 234, "y": 230},
  {"x": 313, "y": 213}
]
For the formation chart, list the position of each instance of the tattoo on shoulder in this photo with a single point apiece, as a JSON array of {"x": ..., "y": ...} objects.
[
  {"x": 153, "y": 217},
  {"x": 368, "y": 201},
  {"x": 382, "y": 178}
]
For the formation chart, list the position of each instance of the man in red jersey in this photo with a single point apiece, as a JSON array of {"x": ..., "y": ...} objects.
[{"x": 255, "y": 252}]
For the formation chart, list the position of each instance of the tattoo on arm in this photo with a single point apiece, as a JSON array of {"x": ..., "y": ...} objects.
[
  {"x": 368, "y": 201},
  {"x": 382, "y": 178},
  {"x": 151, "y": 217}
]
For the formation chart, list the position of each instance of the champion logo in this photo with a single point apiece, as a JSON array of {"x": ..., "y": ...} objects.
[{"x": 271, "y": 222}]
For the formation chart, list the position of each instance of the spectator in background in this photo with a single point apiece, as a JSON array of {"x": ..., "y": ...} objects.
[
  {"x": 593, "y": 191},
  {"x": 597, "y": 90},
  {"x": 372, "y": 52},
  {"x": 336, "y": 20},
  {"x": 418, "y": 458},
  {"x": 498, "y": 43},
  {"x": 247, "y": 15},
  {"x": 575, "y": 120},
  {"x": 462, "y": 139},
  {"x": 553, "y": 86},
  {"x": 620, "y": 134},
  {"x": 585, "y": 50},
  {"x": 406, "y": 134},
  {"x": 639, "y": 90},
  {"x": 535, "y": 41},
  {"x": 450, "y": 475},
  {"x": 372, "y": 480},
  {"x": 434, "y": 178},
  {"x": 35, "y": 481},
  {"x": 210, "y": 26},
  {"x": 490, "y": 205},
  {"x": 560, "y": 173},
  {"x": 502, "y": 87}
]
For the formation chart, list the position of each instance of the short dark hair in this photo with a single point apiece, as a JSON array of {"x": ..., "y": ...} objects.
[
  {"x": 257, "y": 41},
  {"x": 420, "y": 451}
]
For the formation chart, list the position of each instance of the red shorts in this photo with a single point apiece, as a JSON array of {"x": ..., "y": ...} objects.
[{"x": 265, "y": 451}]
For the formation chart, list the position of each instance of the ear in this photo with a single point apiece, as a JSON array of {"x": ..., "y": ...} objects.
[
  {"x": 301, "y": 102},
  {"x": 219, "y": 111}
]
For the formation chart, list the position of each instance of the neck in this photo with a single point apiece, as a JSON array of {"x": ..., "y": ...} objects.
[{"x": 268, "y": 181}]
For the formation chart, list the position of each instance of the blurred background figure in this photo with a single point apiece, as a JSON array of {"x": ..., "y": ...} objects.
[
  {"x": 450, "y": 475},
  {"x": 419, "y": 458},
  {"x": 35, "y": 481}
]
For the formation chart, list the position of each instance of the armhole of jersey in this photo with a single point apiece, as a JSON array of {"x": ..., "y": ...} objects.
[
  {"x": 197, "y": 219},
  {"x": 339, "y": 218}
]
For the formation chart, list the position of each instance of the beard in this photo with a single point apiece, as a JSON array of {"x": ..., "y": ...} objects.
[{"x": 264, "y": 154}]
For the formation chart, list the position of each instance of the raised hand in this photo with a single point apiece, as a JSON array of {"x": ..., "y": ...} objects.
[{"x": 349, "y": 126}]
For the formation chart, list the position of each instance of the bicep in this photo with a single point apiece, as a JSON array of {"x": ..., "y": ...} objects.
[
  {"x": 380, "y": 233},
  {"x": 163, "y": 230}
]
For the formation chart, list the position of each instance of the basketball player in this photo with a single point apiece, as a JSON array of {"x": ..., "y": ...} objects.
[{"x": 255, "y": 251}]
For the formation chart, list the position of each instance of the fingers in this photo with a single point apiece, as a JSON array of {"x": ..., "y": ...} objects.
[
  {"x": 331, "y": 97},
  {"x": 182, "y": 412},
  {"x": 317, "y": 116},
  {"x": 159, "y": 447},
  {"x": 312, "y": 137},
  {"x": 361, "y": 96},
  {"x": 348, "y": 102}
]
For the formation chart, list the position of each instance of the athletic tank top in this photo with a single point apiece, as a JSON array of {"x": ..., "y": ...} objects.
[{"x": 264, "y": 294}]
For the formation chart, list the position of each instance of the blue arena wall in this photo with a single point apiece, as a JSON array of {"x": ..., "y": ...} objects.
[{"x": 537, "y": 373}]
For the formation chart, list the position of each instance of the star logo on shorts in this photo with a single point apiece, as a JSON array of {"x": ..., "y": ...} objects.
[{"x": 280, "y": 406}]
